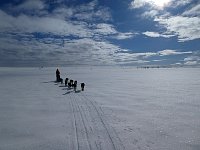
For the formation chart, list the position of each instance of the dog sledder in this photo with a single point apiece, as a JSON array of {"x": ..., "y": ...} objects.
[
  {"x": 71, "y": 84},
  {"x": 58, "y": 78}
]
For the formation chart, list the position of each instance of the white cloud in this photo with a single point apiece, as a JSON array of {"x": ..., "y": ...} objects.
[
  {"x": 137, "y": 3},
  {"x": 31, "y": 24},
  {"x": 194, "y": 11},
  {"x": 156, "y": 34},
  {"x": 172, "y": 52},
  {"x": 88, "y": 44},
  {"x": 190, "y": 63},
  {"x": 151, "y": 34},
  {"x": 126, "y": 35},
  {"x": 142, "y": 56},
  {"x": 65, "y": 52},
  {"x": 158, "y": 60},
  {"x": 178, "y": 3},
  {"x": 193, "y": 59},
  {"x": 178, "y": 63},
  {"x": 105, "y": 29},
  {"x": 30, "y": 5},
  {"x": 18, "y": 42},
  {"x": 88, "y": 12},
  {"x": 157, "y": 4},
  {"x": 145, "y": 55},
  {"x": 48, "y": 51},
  {"x": 59, "y": 23},
  {"x": 87, "y": 6},
  {"x": 150, "y": 13},
  {"x": 63, "y": 13},
  {"x": 186, "y": 28},
  {"x": 100, "y": 14},
  {"x": 129, "y": 58}
]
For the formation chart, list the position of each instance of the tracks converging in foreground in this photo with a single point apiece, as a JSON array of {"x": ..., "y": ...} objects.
[{"x": 89, "y": 128}]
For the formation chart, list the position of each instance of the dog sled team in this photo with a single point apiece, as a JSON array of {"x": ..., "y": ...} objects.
[{"x": 68, "y": 82}]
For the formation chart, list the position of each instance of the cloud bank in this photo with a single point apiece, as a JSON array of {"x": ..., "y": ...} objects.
[
  {"x": 184, "y": 25},
  {"x": 30, "y": 33},
  {"x": 39, "y": 33}
]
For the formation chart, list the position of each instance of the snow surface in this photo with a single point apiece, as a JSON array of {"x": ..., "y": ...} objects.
[{"x": 121, "y": 108}]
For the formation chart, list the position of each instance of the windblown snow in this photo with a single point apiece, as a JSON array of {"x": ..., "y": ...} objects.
[{"x": 122, "y": 108}]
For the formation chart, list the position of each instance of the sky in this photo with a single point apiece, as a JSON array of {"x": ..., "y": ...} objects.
[{"x": 99, "y": 32}]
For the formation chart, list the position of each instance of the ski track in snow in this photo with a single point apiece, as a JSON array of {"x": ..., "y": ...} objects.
[{"x": 90, "y": 129}]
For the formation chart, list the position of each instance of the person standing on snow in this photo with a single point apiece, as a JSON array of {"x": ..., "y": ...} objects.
[{"x": 57, "y": 75}]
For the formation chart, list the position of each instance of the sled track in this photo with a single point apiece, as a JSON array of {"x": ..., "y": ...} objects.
[
  {"x": 90, "y": 129},
  {"x": 109, "y": 129},
  {"x": 75, "y": 126}
]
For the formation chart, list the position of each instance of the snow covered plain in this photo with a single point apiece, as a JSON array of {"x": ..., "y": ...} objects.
[{"x": 121, "y": 108}]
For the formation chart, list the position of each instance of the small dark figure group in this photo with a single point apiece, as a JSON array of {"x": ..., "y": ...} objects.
[
  {"x": 70, "y": 84},
  {"x": 73, "y": 84}
]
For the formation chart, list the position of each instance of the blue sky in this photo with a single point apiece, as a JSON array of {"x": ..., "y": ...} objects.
[{"x": 99, "y": 32}]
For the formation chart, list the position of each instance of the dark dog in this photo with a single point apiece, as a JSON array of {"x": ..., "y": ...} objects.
[
  {"x": 61, "y": 80},
  {"x": 66, "y": 80},
  {"x": 75, "y": 85},
  {"x": 71, "y": 82},
  {"x": 82, "y": 86},
  {"x": 69, "y": 85}
]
